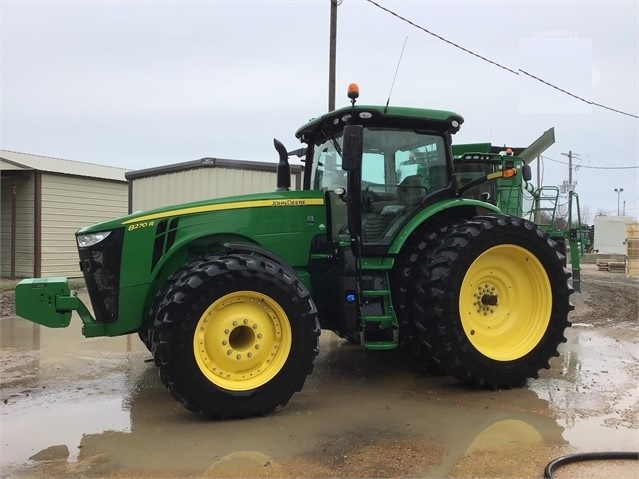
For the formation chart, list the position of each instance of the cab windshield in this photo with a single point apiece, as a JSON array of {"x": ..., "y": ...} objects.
[
  {"x": 399, "y": 168},
  {"x": 390, "y": 157}
]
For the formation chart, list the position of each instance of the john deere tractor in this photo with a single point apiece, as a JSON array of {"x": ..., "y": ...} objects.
[{"x": 381, "y": 246}]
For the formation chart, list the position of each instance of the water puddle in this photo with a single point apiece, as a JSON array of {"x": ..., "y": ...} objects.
[
  {"x": 94, "y": 407},
  {"x": 57, "y": 387},
  {"x": 57, "y": 419},
  {"x": 594, "y": 389}
]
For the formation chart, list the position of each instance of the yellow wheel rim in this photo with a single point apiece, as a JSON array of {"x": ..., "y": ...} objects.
[
  {"x": 242, "y": 340},
  {"x": 505, "y": 302}
]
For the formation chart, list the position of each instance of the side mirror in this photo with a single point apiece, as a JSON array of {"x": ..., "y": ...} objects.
[
  {"x": 353, "y": 147},
  {"x": 526, "y": 173}
]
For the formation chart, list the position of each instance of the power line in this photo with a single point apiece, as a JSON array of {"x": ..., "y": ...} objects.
[
  {"x": 593, "y": 167},
  {"x": 444, "y": 39},
  {"x": 497, "y": 64},
  {"x": 577, "y": 97}
]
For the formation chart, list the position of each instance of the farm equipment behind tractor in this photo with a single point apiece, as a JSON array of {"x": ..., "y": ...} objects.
[{"x": 516, "y": 197}]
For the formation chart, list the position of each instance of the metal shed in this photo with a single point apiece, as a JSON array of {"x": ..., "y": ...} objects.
[
  {"x": 43, "y": 202},
  {"x": 202, "y": 179}
]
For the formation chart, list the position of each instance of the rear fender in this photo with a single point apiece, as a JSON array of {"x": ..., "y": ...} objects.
[{"x": 451, "y": 208}]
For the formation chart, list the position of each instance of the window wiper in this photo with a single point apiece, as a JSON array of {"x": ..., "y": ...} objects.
[{"x": 338, "y": 149}]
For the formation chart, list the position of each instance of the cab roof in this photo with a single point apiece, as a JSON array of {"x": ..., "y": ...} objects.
[{"x": 380, "y": 116}]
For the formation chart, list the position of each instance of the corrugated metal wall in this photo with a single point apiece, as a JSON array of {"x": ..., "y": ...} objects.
[
  {"x": 198, "y": 184},
  {"x": 68, "y": 204},
  {"x": 24, "y": 220}
]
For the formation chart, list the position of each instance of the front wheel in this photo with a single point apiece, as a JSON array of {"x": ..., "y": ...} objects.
[
  {"x": 235, "y": 336},
  {"x": 498, "y": 301}
]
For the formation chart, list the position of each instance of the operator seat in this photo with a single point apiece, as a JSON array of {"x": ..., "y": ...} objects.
[
  {"x": 377, "y": 223},
  {"x": 411, "y": 190}
]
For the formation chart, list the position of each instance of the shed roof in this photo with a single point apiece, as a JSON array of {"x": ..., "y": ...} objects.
[
  {"x": 209, "y": 162},
  {"x": 12, "y": 160}
]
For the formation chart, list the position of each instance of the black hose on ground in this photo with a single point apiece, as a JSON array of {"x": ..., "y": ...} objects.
[{"x": 586, "y": 456}]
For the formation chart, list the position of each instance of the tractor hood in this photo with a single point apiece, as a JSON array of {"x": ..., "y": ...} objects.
[{"x": 273, "y": 199}]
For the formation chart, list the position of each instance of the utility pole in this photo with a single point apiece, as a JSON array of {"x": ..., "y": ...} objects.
[
  {"x": 569, "y": 186},
  {"x": 331, "y": 55},
  {"x": 618, "y": 191}
]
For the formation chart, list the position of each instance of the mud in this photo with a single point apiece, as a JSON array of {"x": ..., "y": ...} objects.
[{"x": 76, "y": 407}]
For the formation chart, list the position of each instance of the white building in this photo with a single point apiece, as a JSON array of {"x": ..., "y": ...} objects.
[
  {"x": 43, "y": 202},
  {"x": 610, "y": 234}
]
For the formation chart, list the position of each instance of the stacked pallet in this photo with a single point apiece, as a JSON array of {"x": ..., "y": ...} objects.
[
  {"x": 617, "y": 266},
  {"x": 611, "y": 266}
]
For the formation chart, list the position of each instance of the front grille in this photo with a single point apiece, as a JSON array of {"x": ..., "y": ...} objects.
[{"x": 100, "y": 265}]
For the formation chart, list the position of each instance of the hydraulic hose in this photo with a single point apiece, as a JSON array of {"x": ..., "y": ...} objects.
[{"x": 586, "y": 456}]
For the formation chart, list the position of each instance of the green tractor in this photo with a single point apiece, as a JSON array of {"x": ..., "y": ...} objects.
[{"x": 380, "y": 246}]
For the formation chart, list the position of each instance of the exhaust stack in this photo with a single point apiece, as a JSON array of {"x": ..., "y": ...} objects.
[{"x": 283, "y": 168}]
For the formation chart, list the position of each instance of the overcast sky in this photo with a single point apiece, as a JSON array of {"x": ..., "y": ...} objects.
[{"x": 143, "y": 84}]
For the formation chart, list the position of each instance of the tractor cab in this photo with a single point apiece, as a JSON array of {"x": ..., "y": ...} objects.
[
  {"x": 405, "y": 163},
  {"x": 399, "y": 171}
]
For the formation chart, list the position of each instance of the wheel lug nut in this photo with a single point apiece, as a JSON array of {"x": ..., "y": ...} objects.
[
  {"x": 238, "y": 356},
  {"x": 224, "y": 342},
  {"x": 249, "y": 354},
  {"x": 246, "y": 321},
  {"x": 257, "y": 346},
  {"x": 234, "y": 323},
  {"x": 226, "y": 331},
  {"x": 229, "y": 352},
  {"x": 259, "y": 335},
  {"x": 255, "y": 326}
]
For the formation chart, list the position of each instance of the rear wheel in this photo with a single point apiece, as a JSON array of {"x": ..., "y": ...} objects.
[
  {"x": 561, "y": 248},
  {"x": 417, "y": 253},
  {"x": 498, "y": 301},
  {"x": 235, "y": 336}
]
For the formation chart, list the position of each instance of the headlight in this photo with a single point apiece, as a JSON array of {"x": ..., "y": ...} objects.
[{"x": 85, "y": 241}]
